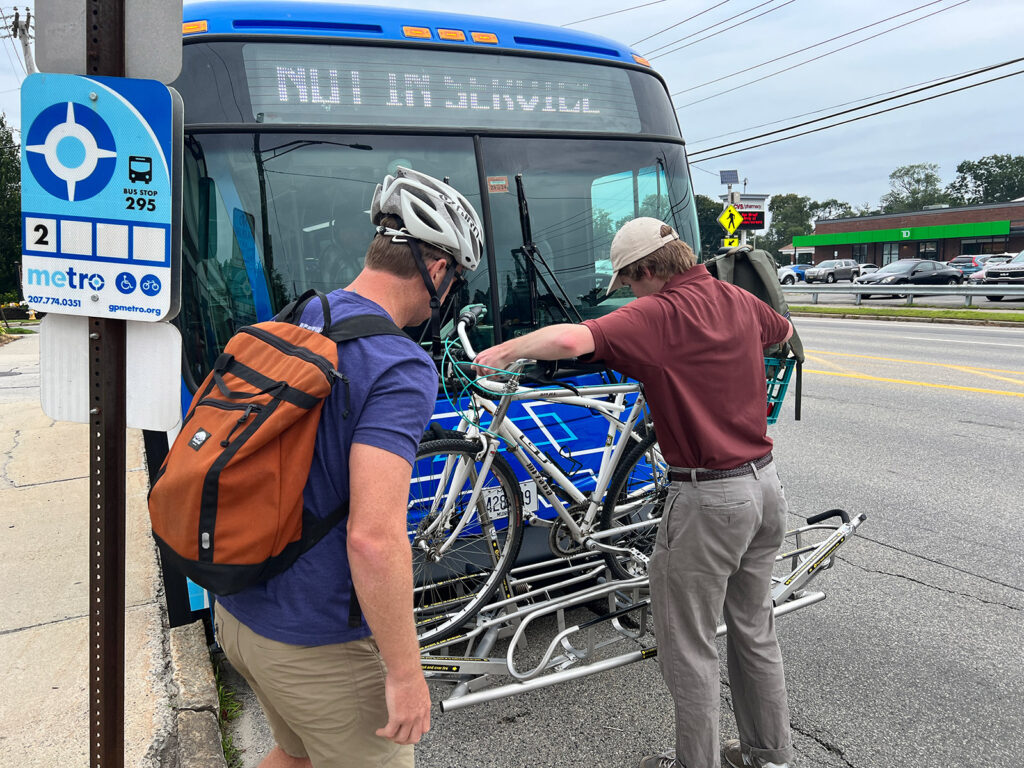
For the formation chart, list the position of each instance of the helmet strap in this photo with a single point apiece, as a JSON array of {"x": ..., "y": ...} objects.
[{"x": 435, "y": 294}]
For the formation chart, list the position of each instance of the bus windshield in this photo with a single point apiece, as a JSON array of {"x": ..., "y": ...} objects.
[{"x": 273, "y": 210}]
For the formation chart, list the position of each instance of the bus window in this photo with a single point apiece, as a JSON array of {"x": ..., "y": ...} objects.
[
  {"x": 290, "y": 212},
  {"x": 621, "y": 197},
  {"x": 579, "y": 192}
]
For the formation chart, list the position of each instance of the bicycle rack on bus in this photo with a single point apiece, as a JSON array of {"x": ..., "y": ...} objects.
[{"x": 548, "y": 590}]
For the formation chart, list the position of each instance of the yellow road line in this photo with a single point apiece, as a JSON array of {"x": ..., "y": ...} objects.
[
  {"x": 986, "y": 372},
  {"x": 914, "y": 362},
  {"x": 916, "y": 383}
]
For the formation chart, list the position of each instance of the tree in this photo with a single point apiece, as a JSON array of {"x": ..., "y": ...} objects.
[
  {"x": 791, "y": 215},
  {"x": 992, "y": 179},
  {"x": 708, "y": 211},
  {"x": 831, "y": 209},
  {"x": 10, "y": 214},
  {"x": 912, "y": 187}
]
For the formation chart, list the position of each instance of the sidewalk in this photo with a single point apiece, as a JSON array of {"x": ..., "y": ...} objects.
[{"x": 170, "y": 697}]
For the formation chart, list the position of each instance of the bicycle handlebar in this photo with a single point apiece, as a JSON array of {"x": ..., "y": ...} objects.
[
  {"x": 841, "y": 514},
  {"x": 468, "y": 318}
]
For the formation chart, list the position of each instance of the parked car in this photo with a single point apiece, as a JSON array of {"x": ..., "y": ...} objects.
[
  {"x": 970, "y": 264},
  {"x": 787, "y": 276},
  {"x": 832, "y": 270},
  {"x": 912, "y": 272},
  {"x": 868, "y": 268},
  {"x": 995, "y": 259},
  {"x": 800, "y": 269},
  {"x": 1008, "y": 273}
]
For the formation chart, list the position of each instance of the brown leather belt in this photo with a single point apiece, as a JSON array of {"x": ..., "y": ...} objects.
[{"x": 681, "y": 475}]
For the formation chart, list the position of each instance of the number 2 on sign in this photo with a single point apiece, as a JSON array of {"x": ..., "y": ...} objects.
[{"x": 140, "y": 204}]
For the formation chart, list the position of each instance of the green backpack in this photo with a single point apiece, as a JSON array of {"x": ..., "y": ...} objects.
[{"x": 755, "y": 271}]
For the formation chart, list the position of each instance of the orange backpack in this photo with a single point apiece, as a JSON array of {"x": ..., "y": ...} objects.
[{"x": 226, "y": 506}]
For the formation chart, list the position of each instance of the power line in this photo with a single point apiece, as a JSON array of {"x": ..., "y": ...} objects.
[
  {"x": 855, "y": 119},
  {"x": 822, "y": 56},
  {"x": 807, "y": 48},
  {"x": 935, "y": 84},
  {"x": 826, "y": 109},
  {"x": 690, "y": 18},
  {"x": 612, "y": 13},
  {"x": 7, "y": 25},
  {"x": 710, "y": 173},
  {"x": 721, "y": 31},
  {"x": 653, "y": 51}
]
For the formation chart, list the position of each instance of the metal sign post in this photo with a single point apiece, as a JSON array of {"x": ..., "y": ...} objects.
[{"x": 105, "y": 56}]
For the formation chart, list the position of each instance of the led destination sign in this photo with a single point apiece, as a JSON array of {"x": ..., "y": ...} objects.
[
  {"x": 294, "y": 83},
  {"x": 752, "y": 220}
]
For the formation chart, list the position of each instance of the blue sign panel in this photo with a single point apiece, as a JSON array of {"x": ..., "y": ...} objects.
[{"x": 96, "y": 196}]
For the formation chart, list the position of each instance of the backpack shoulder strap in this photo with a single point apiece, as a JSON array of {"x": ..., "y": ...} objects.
[
  {"x": 361, "y": 326},
  {"x": 292, "y": 312}
]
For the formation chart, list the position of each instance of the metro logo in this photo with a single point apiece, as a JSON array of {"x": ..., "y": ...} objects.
[{"x": 67, "y": 279}]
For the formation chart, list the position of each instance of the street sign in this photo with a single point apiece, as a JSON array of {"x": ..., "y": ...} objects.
[
  {"x": 98, "y": 197},
  {"x": 152, "y": 37},
  {"x": 730, "y": 242},
  {"x": 730, "y": 219}
]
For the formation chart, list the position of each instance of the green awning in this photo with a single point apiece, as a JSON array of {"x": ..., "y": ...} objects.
[{"x": 907, "y": 234}]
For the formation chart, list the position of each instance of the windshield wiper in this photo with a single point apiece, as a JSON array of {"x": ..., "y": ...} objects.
[{"x": 532, "y": 256}]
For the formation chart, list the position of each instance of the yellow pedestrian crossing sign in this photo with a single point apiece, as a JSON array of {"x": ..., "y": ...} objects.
[{"x": 730, "y": 219}]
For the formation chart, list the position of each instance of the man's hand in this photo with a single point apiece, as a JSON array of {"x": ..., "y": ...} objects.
[
  {"x": 408, "y": 701},
  {"x": 380, "y": 561},
  {"x": 497, "y": 357},
  {"x": 556, "y": 342}
]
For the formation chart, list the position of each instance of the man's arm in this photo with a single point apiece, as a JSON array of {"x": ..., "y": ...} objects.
[
  {"x": 552, "y": 343},
  {"x": 381, "y": 563}
]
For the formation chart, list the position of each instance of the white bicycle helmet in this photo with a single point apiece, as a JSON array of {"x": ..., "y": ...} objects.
[{"x": 432, "y": 212}]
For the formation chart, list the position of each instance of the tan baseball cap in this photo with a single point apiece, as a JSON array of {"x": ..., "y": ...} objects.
[{"x": 633, "y": 241}]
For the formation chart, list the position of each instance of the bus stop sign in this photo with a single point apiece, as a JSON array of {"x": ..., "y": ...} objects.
[{"x": 97, "y": 197}]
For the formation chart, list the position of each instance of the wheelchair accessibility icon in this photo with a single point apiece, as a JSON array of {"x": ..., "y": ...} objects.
[
  {"x": 125, "y": 282},
  {"x": 71, "y": 151}
]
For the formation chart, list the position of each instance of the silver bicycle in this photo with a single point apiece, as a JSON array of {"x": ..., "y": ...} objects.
[{"x": 467, "y": 508}]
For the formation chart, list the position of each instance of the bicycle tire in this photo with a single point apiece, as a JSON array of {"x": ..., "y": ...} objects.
[
  {"x": 450, "y": 588},
  {"x": 642, "y": 479}
]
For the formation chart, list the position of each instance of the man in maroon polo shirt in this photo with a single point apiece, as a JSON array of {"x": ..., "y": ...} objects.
[{"x": 697, "y": 345}]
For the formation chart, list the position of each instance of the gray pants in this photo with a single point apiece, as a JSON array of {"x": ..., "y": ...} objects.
[{"x": 714, "y": 554}]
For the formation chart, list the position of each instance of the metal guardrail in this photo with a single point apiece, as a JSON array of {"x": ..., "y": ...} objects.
[{"x": 859, "y": 291}]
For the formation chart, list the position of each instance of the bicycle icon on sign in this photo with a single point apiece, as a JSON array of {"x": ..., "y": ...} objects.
[{"x": 150, "y": 285}]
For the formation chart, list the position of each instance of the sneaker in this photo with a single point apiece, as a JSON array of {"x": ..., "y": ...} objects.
[
  {"x": 666, "y": 759},
  {"x": 733, "y": 756}
]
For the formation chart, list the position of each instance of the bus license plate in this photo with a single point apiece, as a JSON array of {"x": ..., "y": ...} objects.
[{"x": 496, "y": 501}]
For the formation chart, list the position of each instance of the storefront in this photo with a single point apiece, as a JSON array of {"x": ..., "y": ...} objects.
[
  {"x": 793, "y": 255},
  {"x": 939, "y": 234}
]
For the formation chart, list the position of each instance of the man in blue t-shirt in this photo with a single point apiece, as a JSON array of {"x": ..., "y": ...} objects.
[{"x": 336, "y": 694}]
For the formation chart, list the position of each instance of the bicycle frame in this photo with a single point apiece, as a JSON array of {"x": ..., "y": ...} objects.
[{"x": 540, "y": 468}]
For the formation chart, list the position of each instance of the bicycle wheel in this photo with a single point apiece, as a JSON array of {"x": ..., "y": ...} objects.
[
  {"x": 636, "y": 494},
  {"x": 460, "y": 555}
]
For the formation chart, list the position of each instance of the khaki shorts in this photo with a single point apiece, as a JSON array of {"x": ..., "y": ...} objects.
[{"x": 322, "y": 702}]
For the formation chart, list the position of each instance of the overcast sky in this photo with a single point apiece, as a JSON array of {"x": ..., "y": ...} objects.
[{"x": 851, "y": 162}]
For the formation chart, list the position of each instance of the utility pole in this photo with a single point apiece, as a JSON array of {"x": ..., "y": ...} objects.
[{"x": 23, "y": 31}]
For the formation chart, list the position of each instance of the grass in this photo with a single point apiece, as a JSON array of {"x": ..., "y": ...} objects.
[
  {"x": 230, "y": 708},
  {"x": 966, "y": 313},
  {"x": 16, "y": 329}
]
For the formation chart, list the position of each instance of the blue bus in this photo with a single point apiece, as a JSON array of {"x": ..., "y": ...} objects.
[{"x": 295, "y": 110}]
